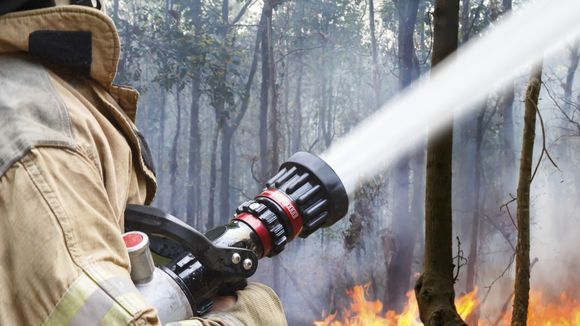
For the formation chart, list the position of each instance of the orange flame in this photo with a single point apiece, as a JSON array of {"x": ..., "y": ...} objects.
[
  {"x": 564, "y": 312},
  {"x": 368, "y": 313}
]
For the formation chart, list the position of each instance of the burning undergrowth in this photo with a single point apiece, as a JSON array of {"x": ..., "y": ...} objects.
[{"x": 563, "y": 310}]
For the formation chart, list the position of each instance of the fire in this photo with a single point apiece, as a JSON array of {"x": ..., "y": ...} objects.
[
  {"x": 564, "y": 311},
  {"x": 363, "y": 312}
]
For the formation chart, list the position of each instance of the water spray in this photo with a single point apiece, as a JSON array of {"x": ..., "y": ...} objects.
[
  {"x": 458, "y": 84},
  {"x": 304, "y": 196}
]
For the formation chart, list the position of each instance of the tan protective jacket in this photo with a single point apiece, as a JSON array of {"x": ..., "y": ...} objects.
[{"x": 71, "y": 159}]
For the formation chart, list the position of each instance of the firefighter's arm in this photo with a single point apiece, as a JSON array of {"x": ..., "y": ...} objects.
[
  {"x": 256, "y": 305},
  {"x": 63, "y": 254},
  {"x": 63, "y": 257}
]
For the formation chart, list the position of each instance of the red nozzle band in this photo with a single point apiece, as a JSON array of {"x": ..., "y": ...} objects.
[
  {"x": 258, "y": 226},
  {"x": 288, "y": 206}
]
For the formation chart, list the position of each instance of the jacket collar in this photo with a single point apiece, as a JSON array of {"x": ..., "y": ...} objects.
[{"x": 17, "y": 27}]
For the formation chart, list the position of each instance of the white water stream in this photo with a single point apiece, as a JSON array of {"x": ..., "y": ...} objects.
[{"x": 458, "y": 84}]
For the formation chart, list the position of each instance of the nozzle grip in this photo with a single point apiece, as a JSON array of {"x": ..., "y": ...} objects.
[{"x": 157, "y": 223}]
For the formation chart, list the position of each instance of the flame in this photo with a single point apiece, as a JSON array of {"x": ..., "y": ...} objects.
[
  {"x": 563, "y": 311},
  {"x": 363, "y": 312}
]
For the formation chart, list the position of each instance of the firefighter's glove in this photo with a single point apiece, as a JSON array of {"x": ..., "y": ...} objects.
[{"x": 257, "y": 305}]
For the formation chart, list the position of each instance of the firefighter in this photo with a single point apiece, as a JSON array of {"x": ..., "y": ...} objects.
[{"x": 71, "y": 159}]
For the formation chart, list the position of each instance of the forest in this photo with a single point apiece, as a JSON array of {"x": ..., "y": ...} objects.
[{"x": 483, "y": 214}]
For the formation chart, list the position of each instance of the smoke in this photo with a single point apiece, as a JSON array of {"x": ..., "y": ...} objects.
[
  {"x": 554, "y": 212},
  {"x": 459, "y": 84},
  {"x": 323, "y": 269}
]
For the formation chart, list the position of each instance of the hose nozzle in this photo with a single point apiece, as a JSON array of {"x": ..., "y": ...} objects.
[{"x": 305, "y": 195}]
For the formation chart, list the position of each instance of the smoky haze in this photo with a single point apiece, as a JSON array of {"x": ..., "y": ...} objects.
[{"x": 217, "y": 123}]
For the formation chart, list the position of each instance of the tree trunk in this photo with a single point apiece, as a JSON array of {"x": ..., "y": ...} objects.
[
  {"x": 210, "y": 223},
  {"x": 522, "y": 282},
  {"x": 273, "y": 103},
  {"x": 297, "y": 116},
  {"x": 173, "y": 156},
  {"x": 274, "y": 118},
  {"x": 477, "y": 213},
  {"x": 399, "y": 269},
  {"x": 160, "y": 144},
  {"x": 506, "y": 108},
  {"x": 434, "y": 289},
  {"x": 418, "y": 199},
  {"x": 266, "y": 26},
  {"x": 574, "y": 57},
  {"x": 225, "y": 160},
  {"x": 194, "y": 161},
  {"x": 375, "y": 55}
]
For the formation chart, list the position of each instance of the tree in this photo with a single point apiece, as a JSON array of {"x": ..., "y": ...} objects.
[
  {"x": 506, "y": 108},
  {"x": 434, "y": 288},
  {"x": 174, "y": 154},
  {"x": 399, "y": 268},
  {"x": 194, "y": 160},
  {"x": 522, "y": 283},
  {"x": 228, "y": 113}
]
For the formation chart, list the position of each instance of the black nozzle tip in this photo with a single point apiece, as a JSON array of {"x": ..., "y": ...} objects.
[{"x": 329, "y": 180}]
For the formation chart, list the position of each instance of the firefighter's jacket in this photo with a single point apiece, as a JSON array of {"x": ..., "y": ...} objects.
[{"x": 71, "y": 159}]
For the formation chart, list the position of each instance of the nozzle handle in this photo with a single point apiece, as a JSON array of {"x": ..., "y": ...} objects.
[{"x": 157, "y": 223}]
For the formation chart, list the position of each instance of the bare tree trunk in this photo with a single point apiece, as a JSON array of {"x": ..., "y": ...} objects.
[
  {"x": 274, "y": 118},
  {"x": 324, "y": 127},
  {"x": 173, "y": 156},
  {"x": 221, "y": 114},
  {"x": 210, "y": 223},
  {"x": 476, "y": 153},
  {"x": 266, "y": 25},
  {"x": 506, "y": 108},
  {"x": 160, "y": 144},
  {"x": 418, "y": 199},
  {"x": 274, "y": 110},
  {"x": 227, "y": 134},
  {"x": 472, "y": 257},
  {"x": 434, "y": 289},
  {"x": 574, "y": 57},
  {"x": 194, "y": 161},
  {"x": 297, "y": 116},
  {"x": 522, "y": 282},
  {"x": 476, "y": 212},
  {"x": 375, "y": 55},
  {"x": 399, "y": 269}
]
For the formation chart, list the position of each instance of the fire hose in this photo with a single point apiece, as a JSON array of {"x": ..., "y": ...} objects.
[{"x": 304, "y": 196}]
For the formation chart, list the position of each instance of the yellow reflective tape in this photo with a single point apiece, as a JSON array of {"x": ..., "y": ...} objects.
[
  {"x": 116, "y": 281},
  {"x": 104, "y": 296},
  {"x": 72, "y": 301},
  {"x": 116, "y": 316},
  {"x": 134, "y": 301}
]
